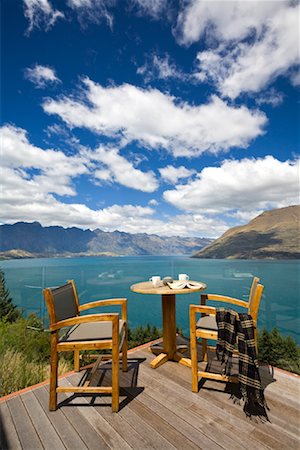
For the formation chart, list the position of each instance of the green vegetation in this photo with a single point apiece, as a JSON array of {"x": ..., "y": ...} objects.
[
  {"x": 24, "y": 354},
  {"x": 8, "y": 311},
  {"x": 140, "y": 335},
  {"x": 278, "y": 350}
]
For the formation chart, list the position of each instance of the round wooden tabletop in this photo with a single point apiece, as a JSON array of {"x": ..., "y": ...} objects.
[{"x": 146, "y": 287}]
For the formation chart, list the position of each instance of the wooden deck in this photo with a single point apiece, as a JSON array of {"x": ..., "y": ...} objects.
[{"x": 158, "y": 411}]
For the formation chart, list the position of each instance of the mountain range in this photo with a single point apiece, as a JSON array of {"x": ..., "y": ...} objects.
[
  {"x": 25, "y": 240},
  {"x": 273, "y": 234}
]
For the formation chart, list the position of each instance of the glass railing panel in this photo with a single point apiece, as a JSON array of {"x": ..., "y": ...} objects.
[{"x": 99, "y": 278}]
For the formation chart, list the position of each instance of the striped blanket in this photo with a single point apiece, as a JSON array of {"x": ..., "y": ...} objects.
[{"x": 239, "y": 327}]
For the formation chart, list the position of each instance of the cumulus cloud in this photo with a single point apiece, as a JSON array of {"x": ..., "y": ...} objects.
[
  {"x": 223, "y": 20},
  {"x": 53, "y": 170},
  {"x": 171, "y": 174},
  {"x": 42, "y": 171},
  {"x": 40, "y": 14},
  {"x": 41, "y": 76},
  {"x": 158, "y": 120},
  {"x": 257, "y": 41},
  {"x": 119, "y": 169},
  {"x": 93, "y": 11},
  {"x": 35, "y": 182},
  {"x": 245, "y": 185}
]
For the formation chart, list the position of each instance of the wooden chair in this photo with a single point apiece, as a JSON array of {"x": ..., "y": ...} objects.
[
  {"x": 87, "y": 332},
  {"x": 206, "y": 328}
]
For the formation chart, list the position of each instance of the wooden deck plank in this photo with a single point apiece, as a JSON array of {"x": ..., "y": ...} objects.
[
  {"x": 178, "y": 422},
  {"x": 64, "y": 429},
  {"x": 153, "y": 439},
  {"x": 171, "y": 434},
  {"x": 166, "y": 378},
  {"x": 148, "y": 434},
  {"x": 41, "y": 422},
  {"x": 87, "y": 433},
  {"x": 27, "y": 434},
  {"x": 214, "y": 429},
  {"x": 97, "y": 421},
  {"x": 185, "y": 404},
  {"x": 8, "y": 434},
  {"x": 191, "y": 435},
  {"x": 270, "y": 431},
  {"x": 158, "y": 411},
  {"x": 133, "y": 431}
]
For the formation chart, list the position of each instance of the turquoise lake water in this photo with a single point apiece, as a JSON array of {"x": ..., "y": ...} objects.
[{"x": 99, "y": 278}]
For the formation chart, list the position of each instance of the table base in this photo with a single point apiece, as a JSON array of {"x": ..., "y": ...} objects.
[{"x": 163, "y": 357}]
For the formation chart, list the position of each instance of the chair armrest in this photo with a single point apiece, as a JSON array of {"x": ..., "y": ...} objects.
[
  {"x": 107, "y": 302},
  {"x": 84, "y": 319},
  {"x": 223, "y": 298},
  {"x": 202, "y": 309}
]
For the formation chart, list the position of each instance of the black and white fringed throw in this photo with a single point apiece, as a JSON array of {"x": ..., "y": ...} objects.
[{"x": 232, "y": 327}]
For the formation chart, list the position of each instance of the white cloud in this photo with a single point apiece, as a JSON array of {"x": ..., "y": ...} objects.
[
  {"x": 152, "y": 8},
  {"x": 171, "y": 174},
  {"x": 224, "y": 20},
  {"x": 53, "y": 171},
  {"x": 120, "y": 170},
  {"x": 41, "y": 75},
  {"x": 93, "y": 11},
  {"x": 245, "y": 216},
  {"x": 158, "y": 120},
  {"x": 40, "y": 13},
  {"x": 157, "y": 67},
  {"x": 271, "y": 97},
  {"x": 30, "y": 176},
  {"x": 153, "y": 202},
  {"x": 42, "y": 171},
  {"x": 237, "y": 65},
  {"x": 295, "y": 78},
  {"x": 245, "y": 185}
]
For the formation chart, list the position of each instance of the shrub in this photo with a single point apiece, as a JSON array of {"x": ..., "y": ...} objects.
[
  {"x": 24, "y": 355},
  {"x": 278, "y": 350},
  {"x": 140, "y": 335},
  {"x": 8, "y": 311}
]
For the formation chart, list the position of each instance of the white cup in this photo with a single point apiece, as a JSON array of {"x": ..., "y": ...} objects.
[
  {"x": 183, "y": 277},
  {"x": 155, "y": 280}
]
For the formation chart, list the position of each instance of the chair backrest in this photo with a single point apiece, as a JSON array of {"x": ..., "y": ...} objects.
[
  {"x": 62, "y": 302},
  {"x": 254, "y": 298}
]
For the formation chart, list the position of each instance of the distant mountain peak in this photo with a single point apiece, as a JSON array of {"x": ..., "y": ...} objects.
[
  {"x": 34, "y": 239},
  {"x": 273, "y": 234}
]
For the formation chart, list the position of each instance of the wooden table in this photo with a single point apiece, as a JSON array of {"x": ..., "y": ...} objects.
[{"x": 169, "y": 350}]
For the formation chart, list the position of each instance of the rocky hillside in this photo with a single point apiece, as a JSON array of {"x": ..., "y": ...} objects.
[
  {"x": 31, "y": 240},
  {"x": 273, "y": 234}
]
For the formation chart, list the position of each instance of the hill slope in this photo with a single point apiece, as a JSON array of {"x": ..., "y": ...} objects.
[
  {"x": 273, "y": 234},
  {"x": 31, "y": 239}
]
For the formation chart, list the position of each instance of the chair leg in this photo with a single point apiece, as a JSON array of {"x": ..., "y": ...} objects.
[
  {"x": 115, "y": 378},
  {"x": 194, "y": 360},
  {"x": 53, "y": 373},
  {"x": 204, "y": 350},
  {"x": 124, "y": 353},
  {"x": 76, "y": 361}
]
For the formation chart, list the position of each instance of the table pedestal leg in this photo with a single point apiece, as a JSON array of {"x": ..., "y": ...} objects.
[{"x": 169, "y": 331}]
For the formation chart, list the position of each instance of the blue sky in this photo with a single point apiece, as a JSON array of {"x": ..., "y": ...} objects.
[{"x": 157, "y": 116}]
